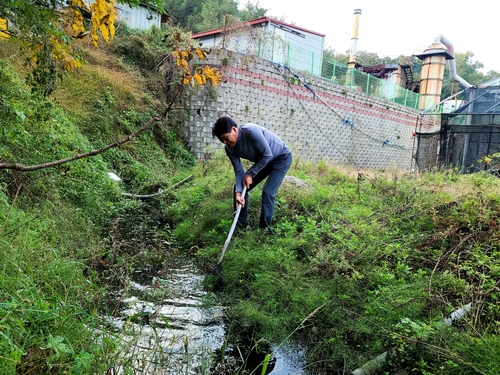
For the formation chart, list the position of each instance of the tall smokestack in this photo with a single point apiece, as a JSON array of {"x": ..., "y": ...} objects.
[
  {"x": 431, "y": 77},
  {"x": 354, "y": 39}
]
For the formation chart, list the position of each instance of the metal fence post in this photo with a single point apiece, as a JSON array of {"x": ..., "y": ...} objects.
[
  {"x": 288, "y": 52},
  {"x": 312, "y": 63}
]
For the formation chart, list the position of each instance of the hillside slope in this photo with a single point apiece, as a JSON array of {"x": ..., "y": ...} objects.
[{"x": 65, "y": 229}]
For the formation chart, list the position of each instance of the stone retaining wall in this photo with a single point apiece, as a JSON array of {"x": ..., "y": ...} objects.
[{"x": 319, "y": 120}]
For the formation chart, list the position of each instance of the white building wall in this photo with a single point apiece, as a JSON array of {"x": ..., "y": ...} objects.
[
  {"x": 296, "y": 48},
  {"x": 138, "y": 18},
  {"x": 302, "y": 50}
]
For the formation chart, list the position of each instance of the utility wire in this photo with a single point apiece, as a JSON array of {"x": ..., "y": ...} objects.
[
  {"x": 344, "y": 120},
  {"x": 277, "y": 66}
]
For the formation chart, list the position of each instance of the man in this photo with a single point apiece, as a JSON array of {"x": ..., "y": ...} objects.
[{"x": 271, "y": 158}]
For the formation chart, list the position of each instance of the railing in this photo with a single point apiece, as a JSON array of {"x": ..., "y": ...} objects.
[
  {"x": 303, "y": 60},
  {"x": 370, "y": 85},
  {"x": 307, "y": 62}
]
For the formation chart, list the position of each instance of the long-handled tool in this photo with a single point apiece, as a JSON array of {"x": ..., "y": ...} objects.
[{"x": 235, "y": 221}]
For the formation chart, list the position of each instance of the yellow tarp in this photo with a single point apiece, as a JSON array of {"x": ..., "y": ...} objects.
[{"x": 4, "y": 25}]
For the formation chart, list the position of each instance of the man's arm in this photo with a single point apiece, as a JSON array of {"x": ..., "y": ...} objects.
[
  {"x": 262, "y": 147},
  {"x": 239, "y": 172}
]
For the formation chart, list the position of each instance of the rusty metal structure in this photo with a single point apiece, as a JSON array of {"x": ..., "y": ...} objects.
[{"x": 402, "y": 74}]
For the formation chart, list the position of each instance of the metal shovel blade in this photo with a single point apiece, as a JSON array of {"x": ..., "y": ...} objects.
[{"x": 235, "y": 221}]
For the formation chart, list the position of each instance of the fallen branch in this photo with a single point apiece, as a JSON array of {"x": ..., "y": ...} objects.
[
  {"x": 118, "y": 142},
  {"x": 160, "y": 191}
]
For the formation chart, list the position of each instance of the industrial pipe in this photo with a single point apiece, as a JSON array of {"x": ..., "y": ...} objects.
[
  {"x": 451, "y": 62},
  {"x": 354, "y": 39}
]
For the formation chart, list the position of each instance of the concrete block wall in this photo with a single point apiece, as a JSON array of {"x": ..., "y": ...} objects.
[{"x": 334, "y": 123}]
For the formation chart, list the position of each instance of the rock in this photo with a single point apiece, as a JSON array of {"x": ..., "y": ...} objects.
[{"x": 295, "y": 182}]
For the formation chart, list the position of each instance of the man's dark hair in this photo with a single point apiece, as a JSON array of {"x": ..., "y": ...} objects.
[{"x": 223, "y": 125}]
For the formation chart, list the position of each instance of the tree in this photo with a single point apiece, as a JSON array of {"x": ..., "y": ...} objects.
[
  {"x": 466, "y": 69},
  {"x": 45, "y": 31},
  {"x": 492, "y": 74},
  {"x": 211, "y": 14},
  {"x": 364, "y": 58},
  {"x": 202, "y": 15},
  {"x": 35, "y": 29},
  {"x": 185, "y": 68},
  {"x": 252, "y": 11}
]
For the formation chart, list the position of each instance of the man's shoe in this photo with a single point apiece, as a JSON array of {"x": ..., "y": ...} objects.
[
  {"x": 243, "y": 227},
  {"x": 267, "y": 230}
]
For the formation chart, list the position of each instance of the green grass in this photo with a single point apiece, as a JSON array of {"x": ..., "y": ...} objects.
[
  {"x": 382, "y": 260},
  {"x": 60, "y": 227},
  {"x": 44, "y": 296}
]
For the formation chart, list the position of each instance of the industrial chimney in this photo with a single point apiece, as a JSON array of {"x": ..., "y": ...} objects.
[
  {"x": 431, "y": 78},
  {"x": 354, "y": 39}
]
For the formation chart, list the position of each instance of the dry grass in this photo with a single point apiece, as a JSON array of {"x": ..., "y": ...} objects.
[
  {"x": 101, "y": 71},
  {"x": 446, "y": 181},
  {"x": 119, "y": 75}
]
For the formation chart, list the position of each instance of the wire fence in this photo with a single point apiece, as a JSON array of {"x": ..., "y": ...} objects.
[
  {"x": 308, "y": 62},
  {"x": 370, "y": 85},
  {"x": 303, "y": 60},
  {"x": 468, "y": 139}
]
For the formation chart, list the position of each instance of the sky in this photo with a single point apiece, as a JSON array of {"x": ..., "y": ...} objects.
[{"x": 398, "y": 28}]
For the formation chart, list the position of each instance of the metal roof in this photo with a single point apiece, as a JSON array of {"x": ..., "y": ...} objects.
[
  {"x": 481, "y": 100},
  {"x": 257, "y": 21}
]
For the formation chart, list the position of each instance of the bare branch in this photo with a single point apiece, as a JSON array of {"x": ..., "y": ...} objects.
[{"x": 118, "y": 142}]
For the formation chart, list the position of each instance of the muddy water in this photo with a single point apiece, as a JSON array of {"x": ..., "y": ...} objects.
[{"x": 167, "y": 324}]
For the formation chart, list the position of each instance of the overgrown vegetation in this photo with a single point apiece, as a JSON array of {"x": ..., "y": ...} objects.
[
  {"x": 68, "y": 231},
  {"x": 381, "y": 260},
  {"x": 362, "y": 263}
]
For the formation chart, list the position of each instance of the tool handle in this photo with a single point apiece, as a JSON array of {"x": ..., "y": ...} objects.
[{"x": 235, "y": 221}]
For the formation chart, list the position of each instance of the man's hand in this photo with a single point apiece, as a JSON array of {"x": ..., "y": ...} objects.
[
  {"x": 239, "y": 200},
  {"x": 247, "y": 181}
]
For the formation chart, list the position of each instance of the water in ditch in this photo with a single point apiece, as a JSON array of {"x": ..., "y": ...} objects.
[{"x": 167, "y": 324}]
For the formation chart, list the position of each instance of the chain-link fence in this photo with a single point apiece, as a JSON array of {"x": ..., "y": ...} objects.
[
  {"x": 464, "y": 139},
  {"x": 458, "y": 146},
  {"x": 368, "y": 84}
]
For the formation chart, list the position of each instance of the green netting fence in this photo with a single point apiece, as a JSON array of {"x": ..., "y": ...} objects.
[
  {"x": 368, "y": 84},
  {"x": 308, "y": 62}
]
